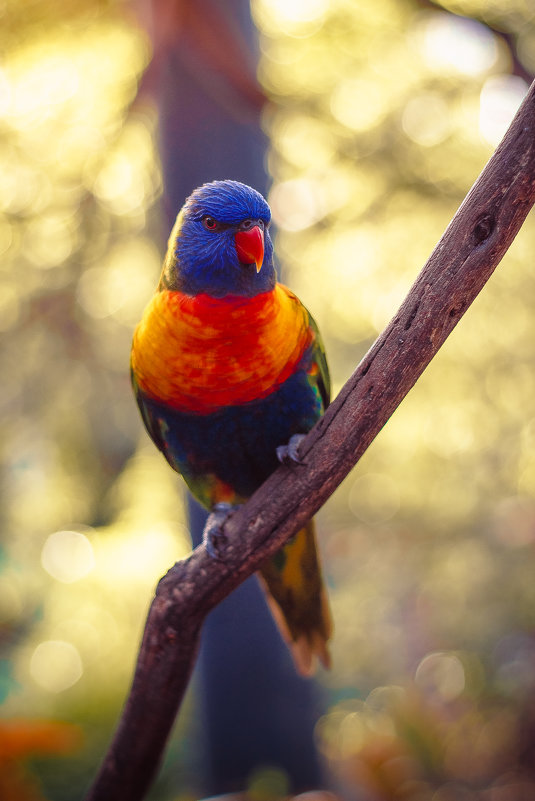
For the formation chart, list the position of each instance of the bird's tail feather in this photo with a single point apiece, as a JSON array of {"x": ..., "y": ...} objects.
[{"x": 298, "y": 600}]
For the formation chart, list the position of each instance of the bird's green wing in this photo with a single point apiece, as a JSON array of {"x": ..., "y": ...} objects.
[{"x": 320, "y": 357}]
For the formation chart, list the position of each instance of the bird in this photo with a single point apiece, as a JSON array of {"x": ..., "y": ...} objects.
[{"x": 229, "y": 373}]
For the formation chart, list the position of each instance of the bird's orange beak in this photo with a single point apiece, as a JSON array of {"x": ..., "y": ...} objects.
[{"x": 250, "y": 246}]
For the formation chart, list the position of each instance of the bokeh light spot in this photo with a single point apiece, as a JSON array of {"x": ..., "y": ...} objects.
[
  {"x": 68, "y": 556},
  {"x": 293, "y": 17},
  {"x": 457, "y": 44},
  {"x": 500, "y": 98},
  {"x": 122, "y": 284},
  {"x": 50, "y": 239},
  {"x": 116, "y": 179},
  {"x": 441, "y": 675},
  {"x": 56, "y": 665},
  {"x": 296, "y": 204},
  {"x": 359, "y": 103},
  {"x": 426, "y": 120}
]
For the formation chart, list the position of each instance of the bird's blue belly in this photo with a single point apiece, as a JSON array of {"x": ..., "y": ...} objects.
[{"x": 236, "y": 444}]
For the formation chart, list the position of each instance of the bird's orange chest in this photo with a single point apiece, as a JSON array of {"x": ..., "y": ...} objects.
[{"x": 202, "y": 353}]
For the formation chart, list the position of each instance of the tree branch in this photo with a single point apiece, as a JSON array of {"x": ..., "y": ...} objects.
[{"x": 470, "y": 249}]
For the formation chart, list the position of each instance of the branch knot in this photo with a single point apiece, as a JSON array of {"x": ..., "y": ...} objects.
[{"x": 483, "y": 229}]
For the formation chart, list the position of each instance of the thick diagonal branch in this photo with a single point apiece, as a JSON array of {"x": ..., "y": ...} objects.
[{"x": 472, "y": 246}]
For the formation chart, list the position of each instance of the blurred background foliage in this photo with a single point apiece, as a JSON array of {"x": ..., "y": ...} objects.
[{"x": 380, "y": 116}]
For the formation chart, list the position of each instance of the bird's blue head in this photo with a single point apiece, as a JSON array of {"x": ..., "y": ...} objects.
[{"x": 220, "y": 243}]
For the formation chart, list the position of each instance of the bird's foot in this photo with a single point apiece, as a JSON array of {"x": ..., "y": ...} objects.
[
  {"x": 288, "y": 454},
  {"x": 213, "y": 536}
]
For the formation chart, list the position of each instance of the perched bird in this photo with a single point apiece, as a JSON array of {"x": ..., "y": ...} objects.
[{"x": 228, "y": 370}]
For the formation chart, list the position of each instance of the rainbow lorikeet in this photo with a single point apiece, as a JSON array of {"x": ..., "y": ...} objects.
[{"x": 228, "y": 369}]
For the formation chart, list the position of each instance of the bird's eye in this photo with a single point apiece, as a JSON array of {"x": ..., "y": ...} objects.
[{"x": 209, "y": 223}]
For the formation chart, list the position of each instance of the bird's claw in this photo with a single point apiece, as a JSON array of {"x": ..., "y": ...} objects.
[
  {"x": 213, "y": 536},
  {"x": 288, "y": 454}
]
